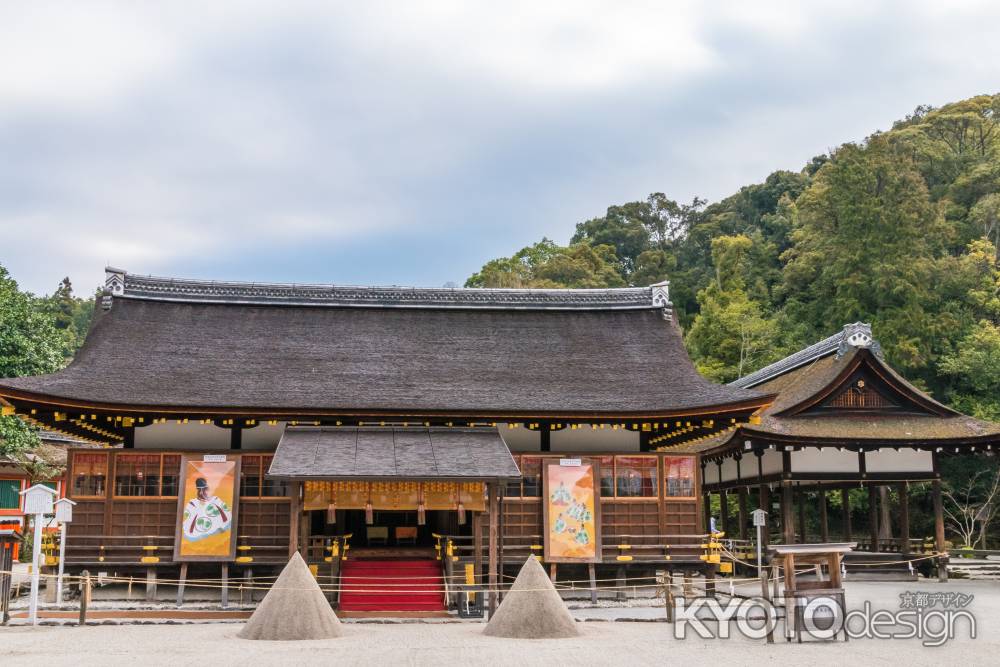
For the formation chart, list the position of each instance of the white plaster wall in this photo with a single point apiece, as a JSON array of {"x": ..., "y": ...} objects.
[
  {"x": 520, "y": 439},
  {"x": 262, "y": 436},
  {"x": 587, "y": 439},
  {"x": 729, "y": 470},
  {"x": 171, "y": 435},
  {"x": 770, "y": 462},
  {"x": 905, "y": 460},
  {"x": 827, "y": 459}
]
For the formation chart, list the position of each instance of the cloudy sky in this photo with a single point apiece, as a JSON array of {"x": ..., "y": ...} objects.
[{"x": 409, "y": 142}]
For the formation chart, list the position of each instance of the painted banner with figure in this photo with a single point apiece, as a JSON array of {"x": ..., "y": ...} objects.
[
  {"x": 206, "y": 509},
  {"x": 572, "y": 512}
]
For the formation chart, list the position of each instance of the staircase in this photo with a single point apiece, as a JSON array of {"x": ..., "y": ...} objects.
[{"x": 391, "y": 585}]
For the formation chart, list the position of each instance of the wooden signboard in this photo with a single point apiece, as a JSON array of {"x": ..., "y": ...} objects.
[
  {"x": 207, "y": 508},
  {"x": 571, "y": 511}
]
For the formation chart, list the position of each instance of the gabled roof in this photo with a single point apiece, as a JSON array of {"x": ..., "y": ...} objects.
[
  {"x": 408, "y": 453},
  {"x": 286, "y": 349},
  {"x": 805, "y": 381}
]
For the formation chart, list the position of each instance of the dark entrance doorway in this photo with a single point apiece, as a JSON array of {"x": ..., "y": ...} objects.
[{"x": 390, "y": 528}]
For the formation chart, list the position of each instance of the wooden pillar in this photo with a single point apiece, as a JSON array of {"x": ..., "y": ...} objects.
[
  {"x": 180, "y": 584},
  {"x": 224, "y": 600},
  {"x": 724, "y": 511},
  {"x": 824, "y": 526},
  {"x": 494, "y": 540},
  {"x": 801, "y": 506},
  {"x": 904, "y": 518},
  {"x": 845, "y": 500},
  {"x": 787, "y": 514},
  {"x": 744, "y": 517},
  {"x": 707, "y": 499},
  {"x": 873, "y": 516},
  {"x": 939, "y": 530},
  {"x": 150, "y": 584},
  {"x": 477, "y": 544},
  {"x": 764, "y": 502},
  {"x": 295, "y": 508}
]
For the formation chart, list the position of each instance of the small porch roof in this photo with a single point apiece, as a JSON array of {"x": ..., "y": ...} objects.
[{"x": 368, "y": 453}]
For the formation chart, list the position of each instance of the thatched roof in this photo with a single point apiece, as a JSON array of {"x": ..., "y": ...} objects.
[{"x": 197, "y": 345}]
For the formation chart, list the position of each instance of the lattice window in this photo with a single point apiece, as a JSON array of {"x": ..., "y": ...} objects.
[
  {"x": 861, "y": 396},
  {"x": 90, "y": 474}
]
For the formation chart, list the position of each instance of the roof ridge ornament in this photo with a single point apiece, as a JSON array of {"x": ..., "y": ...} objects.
[
  {"x": 661, "y": 297},
  {"x": 114, "y": 285},
  {"x": 858, "y": 334}
]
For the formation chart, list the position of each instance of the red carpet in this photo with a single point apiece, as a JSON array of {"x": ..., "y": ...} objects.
[{"x": 391, "y": 585}]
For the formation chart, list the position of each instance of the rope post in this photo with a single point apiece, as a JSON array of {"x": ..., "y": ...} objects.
[{"x": 84, "y": 596}]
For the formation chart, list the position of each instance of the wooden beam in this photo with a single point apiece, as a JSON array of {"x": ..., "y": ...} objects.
[
  {"x": 294, "y": 519},
  {"x": 724, "y": 511},
  {"x": 707, "y": 501},
  {"x": 744, "y": 516},
  {"x": 150, "y": 584},
  {"x": 787, "y": 514},
  {"x": 180, "y": 584},
  {"x": 801, "y": 506},
  {"x": 494, "y": 539},
  {"x": 845, "y": 500},
  {"x": 824, "y": 526},
  {"x": 904, "y": 518},
  {"x": 939, "y": 530},
  {"x": 873, "y": 516},
  {"x": 764, "y": 502}
]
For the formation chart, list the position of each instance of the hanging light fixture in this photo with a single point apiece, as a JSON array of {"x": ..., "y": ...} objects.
[{"x": 461, "y": 507}]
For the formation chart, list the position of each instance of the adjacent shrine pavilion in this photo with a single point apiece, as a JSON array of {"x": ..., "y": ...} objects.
[{"x": 445, "y": 433}]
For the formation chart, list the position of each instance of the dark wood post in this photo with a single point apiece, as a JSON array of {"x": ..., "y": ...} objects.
[
  {"x": 494, "y": 540},
  {"x": 845, "y": 500},
  {"x": 824, "y": 526},
  {"x": 744, "y": 516},
  {"x": 801, "y": 501},
  {"x": 904, "y": 519},
  {"x": 939, "y": 531},
  {"x": 707, "y": 526},
  {"x": 873, "y": 516},
  {"x": 724, "y": 511},
  {"x": 787, "y": 514},
  {"x": 295, "y": 507},
  {"x": 764, "y": 503}
]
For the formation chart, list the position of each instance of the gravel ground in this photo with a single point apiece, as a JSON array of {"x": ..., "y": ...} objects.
[{"x": 601, "y": 643}]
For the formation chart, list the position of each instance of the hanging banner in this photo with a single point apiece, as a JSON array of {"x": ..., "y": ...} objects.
[
  {"x": 206, "y": 510},
  {"x": 571, "y": 512}
]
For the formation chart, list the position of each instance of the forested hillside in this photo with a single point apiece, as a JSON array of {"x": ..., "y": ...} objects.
[{"x": 900, "y": 230}]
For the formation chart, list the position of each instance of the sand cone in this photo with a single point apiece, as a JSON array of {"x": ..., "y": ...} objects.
[
  {"x": 532, "y": 609},
  {"x": 294, "y": 608}
]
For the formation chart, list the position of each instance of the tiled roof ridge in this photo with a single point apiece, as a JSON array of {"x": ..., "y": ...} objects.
[
  {"x": 857, "y": 334},
  {"x": 122, "y": 284}
]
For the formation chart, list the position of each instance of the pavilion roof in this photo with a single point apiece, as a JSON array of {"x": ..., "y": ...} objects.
[{"x": 811, "y": 378}]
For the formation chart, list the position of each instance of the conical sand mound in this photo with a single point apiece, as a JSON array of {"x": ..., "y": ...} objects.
[
  {"x": 294, "y": 608},
  {"x": 532, "y": 609}
]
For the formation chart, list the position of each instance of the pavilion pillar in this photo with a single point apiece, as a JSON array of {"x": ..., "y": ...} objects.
[
  {"x": 845, "y": 501},
  {"x": 824, "y": 526},
  {"x": 494, "y": 541},
  {"x": 904, "y": 518},
  {"x": 707, "y": 501},
  {"x": 744, "y": 520},
  {"x": 787, "y": 514},
  {"x": 939, "y": 531},
  {"x": 764, "y": 503},
  {"x": 294, "y": 543},
  {"x": 873, "y": 516},
  {"x": 801, "y": 507},
  {"x": 724, "y": 511}
]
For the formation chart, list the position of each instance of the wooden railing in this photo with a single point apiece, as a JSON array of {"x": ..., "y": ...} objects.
[{"x": 154, "y": 550}]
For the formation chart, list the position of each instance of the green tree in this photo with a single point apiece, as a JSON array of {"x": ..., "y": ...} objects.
[
  {"x": 731, "y": 335},
  {"x": 546, "y": 264},
  {"x": 864, "y": 248},
  {"x": 30, "y": 344}
]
